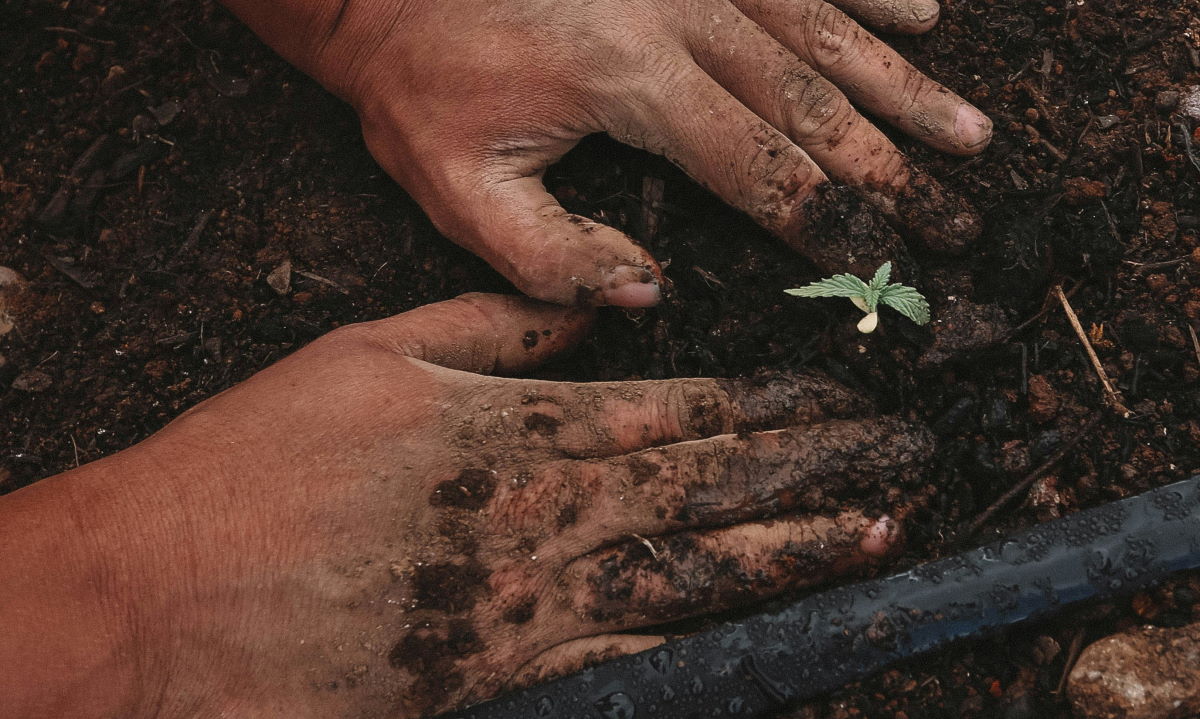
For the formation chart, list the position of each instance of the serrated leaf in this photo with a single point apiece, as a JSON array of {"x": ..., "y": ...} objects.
[
  {"x": 882, "y": 275},
  {"x": 871, "y": 297},
  {"x": 907, "y": 301},
  {"x": 836, "y": 286}
]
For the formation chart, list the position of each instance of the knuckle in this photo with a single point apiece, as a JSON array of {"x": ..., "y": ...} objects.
[
  {"x": 833, "y": 38},
  {"x": 817, "y": 106},
  {"x": 781, "y": 178}
]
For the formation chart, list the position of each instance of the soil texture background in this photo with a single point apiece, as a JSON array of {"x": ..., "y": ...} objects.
[{"x": 158, "y": 164}]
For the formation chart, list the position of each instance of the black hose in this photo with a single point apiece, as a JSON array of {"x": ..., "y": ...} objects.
[{"x": 764, "y": 663}]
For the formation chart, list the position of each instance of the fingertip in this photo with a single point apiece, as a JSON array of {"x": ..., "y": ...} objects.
[
  {"x": 972, "y": 128},
  {"x": 631, "y": 286},
  {"x": 924, "y": 15}
]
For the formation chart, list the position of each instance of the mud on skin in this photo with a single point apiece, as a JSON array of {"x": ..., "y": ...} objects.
[{"x": 842, "y": 231}]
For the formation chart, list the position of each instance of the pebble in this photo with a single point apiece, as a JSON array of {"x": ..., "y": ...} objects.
[
  {"x": 8, "y": 279},
  {"x": 280, "y": 278},
  {"x": 1145, "y": 673},
  {"x": 1166, "y": 101},
  {"x": 1190, "y": 104},
  {"x": 32, "y": 381},
  {"x": 1107, "y": 122}
]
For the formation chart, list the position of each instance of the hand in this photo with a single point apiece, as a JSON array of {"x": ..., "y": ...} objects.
[
  {"x": 466, "y": 102},
  {"x": 369, "y": 528}
]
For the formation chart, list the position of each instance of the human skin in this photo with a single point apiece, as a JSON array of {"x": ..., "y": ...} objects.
[
  {"x": 373, "y": 528},
  {"x": 466, "y": 102}
]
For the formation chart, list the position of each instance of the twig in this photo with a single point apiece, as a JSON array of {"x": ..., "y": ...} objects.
[
  {"x": 323, "y": 280},
  {"x": 1027, "y": 481},
  {"x": 1042, "y": 312},
  {"x": 1073, "y": 653},
  {"x": 646, "y": 543},
  {"x": 1195, "y": 341},
  {"x": 73, "y": 31},
  {"x": 1114, "y": 397},
  {"x": 1187, "y": 145},
  {"x": 1140, "y": 267}
]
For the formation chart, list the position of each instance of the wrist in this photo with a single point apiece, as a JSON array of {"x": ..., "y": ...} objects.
[{"x": 70, "y": 648}]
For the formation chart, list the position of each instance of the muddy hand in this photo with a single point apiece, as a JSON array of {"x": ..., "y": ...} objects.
[
  {"x": 369, "y": 528},
  {"x": 466, "y": 102}
]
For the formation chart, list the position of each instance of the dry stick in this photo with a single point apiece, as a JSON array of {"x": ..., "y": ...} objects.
[
  {"x": 1042, "y": 312},
  {"x": 1033, "y": 476},
  {"x": 1114, "y": 397},
  {"x": 1195, "y": 341}
]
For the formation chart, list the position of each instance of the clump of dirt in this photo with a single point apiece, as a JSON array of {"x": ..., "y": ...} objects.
[{"x": 158, "y": 163}]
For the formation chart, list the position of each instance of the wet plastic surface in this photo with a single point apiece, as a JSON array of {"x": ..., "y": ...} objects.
[{"x": 757, "y": 666}]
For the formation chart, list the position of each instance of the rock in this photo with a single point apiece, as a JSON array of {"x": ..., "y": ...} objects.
[
  {"x": 9, "y": 277},
  {"x": 10, "y": 282},
  {"x": 32, "y": 381},
  {"x": 1190, "y": 104},
  {"x": 280, "y": 278},
  {"x": 1145, "y": 673},
  {"x": 1107, "y": 122},
  {"x": 1166, "y": 101},
  {"x": 165, "y": 113}
]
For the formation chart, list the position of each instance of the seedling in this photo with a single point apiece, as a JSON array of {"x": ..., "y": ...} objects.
[{"x": 868, "y": 296}]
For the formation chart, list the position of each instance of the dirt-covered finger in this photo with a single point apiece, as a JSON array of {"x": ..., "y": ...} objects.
[
  {"x": 582, "y": 505},
  {"x": 906, "y": 16},
  {"x": 498, "y": 208},
  {"x": 641, "y": 583},
  {"x": 605, "y": 419},
  {"x": 817, "y": 116},
  {"x": 579, "y": 654},
  {"x": 695, "y": 123},
  {"x": 875, "y": 76}
]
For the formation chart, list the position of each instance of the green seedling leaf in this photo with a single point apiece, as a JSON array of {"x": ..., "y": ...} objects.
[
  {"x": 882, "y": 275},
  {"x": 836, "y": 286},
  {"x": 907, "y": 301},
  {"x": 867, "y": 297}
]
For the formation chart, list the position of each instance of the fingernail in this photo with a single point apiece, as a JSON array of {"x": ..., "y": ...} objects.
[
  {"x": 924, "y": 11},
  {"x": 972, "y": 126},
  {"x": 628, "y": 286}
]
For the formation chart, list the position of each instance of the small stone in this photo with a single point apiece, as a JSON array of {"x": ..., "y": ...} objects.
[
  {"x": 1145, "y": 673},
  {"x": 1107, "y": 122},
  {"x": 280, "y": 278},
  {"x": 166, "y": 112},
  {"x": 32, "y": 381},
  {"x": 1166, "y": 101},
  {"x": 1190, "y": 104}
]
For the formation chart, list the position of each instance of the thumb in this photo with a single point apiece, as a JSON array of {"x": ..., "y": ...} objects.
[
  {"x": 482, "y": 333},
  {"x": 518, "y": 227},
  {"x": 548, "y": 253}
]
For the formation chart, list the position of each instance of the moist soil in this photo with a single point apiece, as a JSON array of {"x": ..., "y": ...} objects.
[{"x": 158, "y": 164}]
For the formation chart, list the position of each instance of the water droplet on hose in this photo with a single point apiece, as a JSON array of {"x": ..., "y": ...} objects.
[
  {"x": 616, "y": 706},
  {"x": 543, "y": 707},
  {"x": 661, "y": 660},
  {"x": 696, "y": 686}
]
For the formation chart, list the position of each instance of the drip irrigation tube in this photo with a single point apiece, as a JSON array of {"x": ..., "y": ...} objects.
[{"x": 757, "y": 666}]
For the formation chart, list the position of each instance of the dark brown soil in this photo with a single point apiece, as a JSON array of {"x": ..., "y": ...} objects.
[{"x": 149, "y": 254}]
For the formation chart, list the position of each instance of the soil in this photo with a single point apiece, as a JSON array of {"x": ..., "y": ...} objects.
[{"x": 158, "y": 165}]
